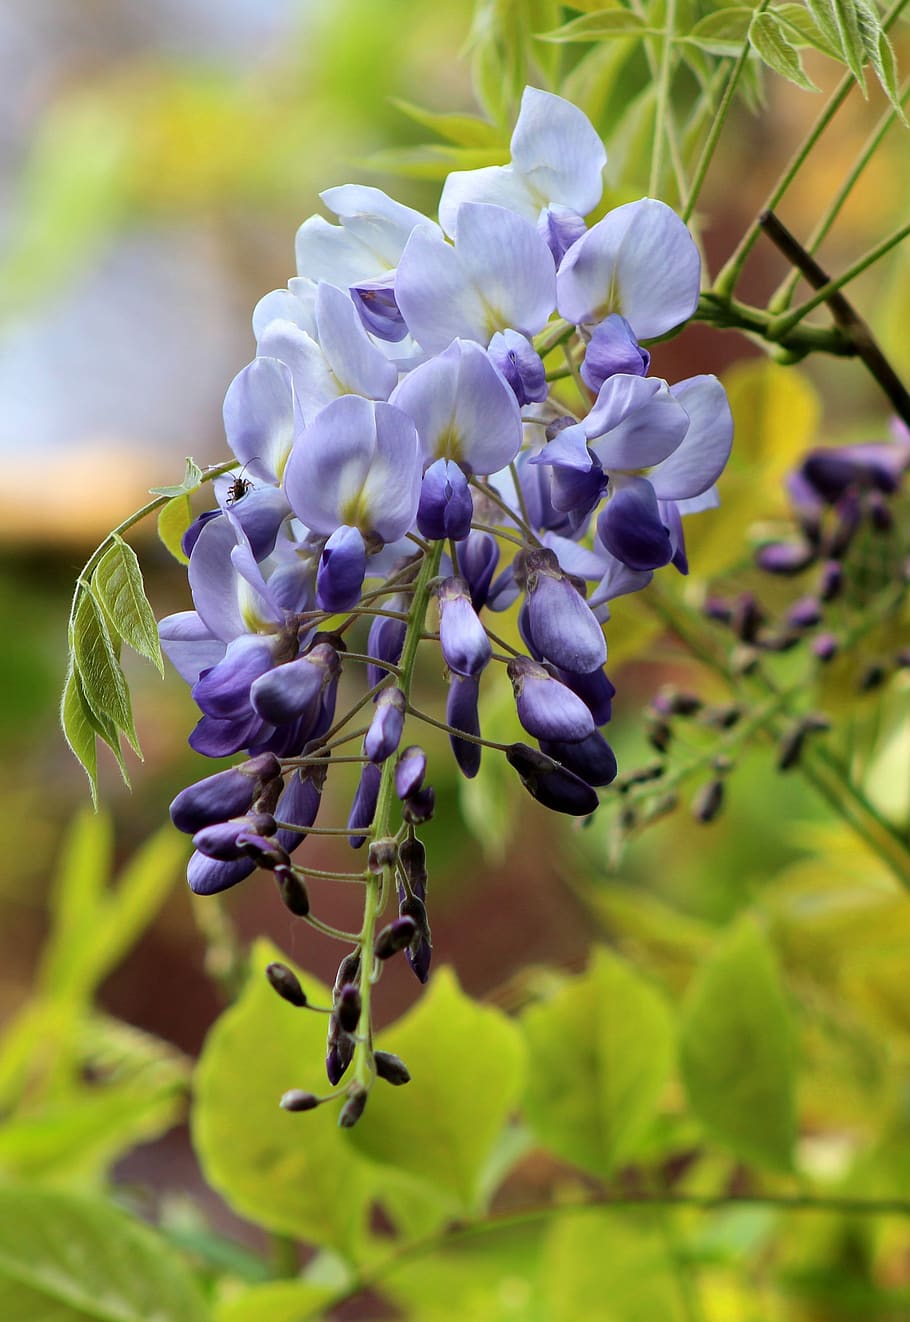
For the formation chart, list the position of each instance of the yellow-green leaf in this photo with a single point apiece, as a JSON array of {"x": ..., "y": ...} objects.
[
  {"x": 173, "y": 521},
  {"x": 737, "y": 1050},
  {"x": 600, "y": 1051},
  {"x": 192, "y": 478}
]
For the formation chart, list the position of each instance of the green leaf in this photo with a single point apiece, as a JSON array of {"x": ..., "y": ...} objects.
[
  {"x": 619, "y": 1258},
  {"x": 117, "y": 583},
  {"x": 294, "y": 1174},
  {"x": 846, "y": 20},
  {"x": 769, "y": 40},
  {"x": 103, "y": 682},
  {"x": 601, "y": 1051},
  {"x": 276, "y": 1301},
  {"x": 77, "y": 958},
  {"x": 601, "y": 26},
  {"x": 737, "y": 1050},
  {"x": 173, "y": 521},
  {"x": 67, "y": 1258},
  {"x": 79, "y": 728},
  {"x": 467, "y": 1070},
  {"x": 879, "y": 53},
  {"x": 803, "y": 30},
  {"x": 192, "y": 480},
  {"x": 721, "y": 33},
  {"x": 462, "y": 130}
]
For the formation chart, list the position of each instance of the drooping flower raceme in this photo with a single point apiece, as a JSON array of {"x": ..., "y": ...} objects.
[{"x": 442, "y": 421}]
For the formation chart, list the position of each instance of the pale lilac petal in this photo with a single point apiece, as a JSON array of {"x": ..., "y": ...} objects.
[
  {"x": 574, "y": 558},
  {"x": 618, "y": 580},
  {"x": 635, "y": 422},
  {"x": 700, "y": 458},
  {"x": 360, "y": 368},
  {"x": 568, "y": 449},
  {"x": 189, "y": 645},
  {"x": 381, "y": 225},
  {"x": 463, "y": 409},
  {"x": 639, "y": 261},
  {"x": 314, "y": 382},
  {"x": 560, "y": 227},
  {"x": 557, "y": 150},
  {"x": 708, "y": 500},
  {"x": 435, "y": 300},
  {"x": 295, "y": 304},
  {"x": 521, "y": 365},
  {"x": 213, "y": 580},
  {"x": 613, "y": 348},
  {"x": 259, "y": 417},
  {"x": 260, "y": 513},
  {"x": 358, "y": 463},
  {"x": 510, "y": 264},
  {"x": 495, "y": 185}
]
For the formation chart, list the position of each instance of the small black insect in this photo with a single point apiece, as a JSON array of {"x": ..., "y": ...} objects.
[{"x": 238, "y": 488}]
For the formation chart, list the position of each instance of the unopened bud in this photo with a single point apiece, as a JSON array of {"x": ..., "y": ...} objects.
[
  {"x": 295, "y": 1099},
  {"x": 413, "y": 907},
  {"x": 659, "y": 736},
  {"x": 394, "y": 937},
  {"x": 347, "y": 1008},
  {"x": 419, "y": 808},
  {"x": 790, "y": 748},
  {"x": 382, "y": 854},
  {"x": 391, "y": 1068},
  {"x": 825, "y": 647},
  {"x": 412, "y": 859},
  {"x": 709, "y": 801},
  {"x": 292, "y": 891},
  {"x": 353, "y": 1108},
  {"x": 286, "y": 983},
  {"x": 872, "y": 678}
]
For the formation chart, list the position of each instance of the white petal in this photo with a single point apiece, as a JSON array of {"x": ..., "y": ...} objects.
[
  {"x": 497, "y": 185},
  {"x": 356, "y": 362},
  {"x": 556, "y": 149}
]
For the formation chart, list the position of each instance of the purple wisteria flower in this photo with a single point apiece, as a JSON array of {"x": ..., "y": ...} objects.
[{"x": 410, "y": 432}]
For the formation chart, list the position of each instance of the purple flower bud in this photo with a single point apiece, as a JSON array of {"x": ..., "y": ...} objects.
[
  {"x": 825, "y": 646},
  {"x": 592, "y": 759},
  {"x": 747, "y": 617},
  {"x": 225, "y": 794},
  {"x": 832, "y": 580},
  {"x": 293, "y": 891},
  {"x": 546, "y": 708},
  {"x": 353, "y": 1108},
  {"x": 385, "y": 640},
  {"x": 784, "y": 557},
  {"x": 613, "y": 348},
  {"x": 462, "y": 714},
  {"x": 520, "y": 364},
  {"x": 559, "y": 226},
  {"x": 299, "y": 805},
  {"x": 594, "y": 689},
  {"x": 708, "y": 802},
  {"x": 412, "y": 857},
  {"x": 478, "y": 556},
  {"x": 295, "y": 1099},
  {"x": 410, "y": 770},
  {"x": 419, "y": 808},
  {"x": 630, "y": 526},
  {"x": 295, "y": 690},
  {"x": 419, "y": 952},
  {"x": 446, "y": 505},
  {"x": 394, "y": 937},
  {"x": 347, "y": 1008},
  {"x": 805, "y": 613},
  {"x": 221, "y": 840},
  {"x": 375, "y": 302},
  {"x": 264, "y": 852},
  {"x": 561, "y": 624},
  {"x": 551, "y": 784},
  {"x": 348, "y": 972},
  {"x": 391, "y": 1068},
  {"x": 384, "y": 734},
  {"x": 342, "y": 567},
  {"x": 209, "y": 876},
  {"x": 286, "y": 983},
  {"x": 462, "y": 638},
  {"x": 339, "y": 1053},
  {"x": 363, "y": 808},
  {"x": 224, "y": 690}
]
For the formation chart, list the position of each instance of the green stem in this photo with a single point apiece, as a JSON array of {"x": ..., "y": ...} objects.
[
  {"x": 726, "y": 280},
  {"x": 783, "y": 296},
  {"x": 662, "y": 107},
  {"x": 378, "y": 887},
  {"x": 786, "y": 322},
  {"x": 726, "y": 100}
]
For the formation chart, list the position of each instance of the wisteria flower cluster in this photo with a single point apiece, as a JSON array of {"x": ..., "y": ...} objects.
[{"x": 402, "y": 439}]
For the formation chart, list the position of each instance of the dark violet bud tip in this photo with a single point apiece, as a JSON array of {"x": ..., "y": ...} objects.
[
  {"x": 412, "y": 859},
  {"x": 391, "y": 1068},
  {"x": 286, "y": 983},
  {"x": 348, "y": 972},
  {"x": 418, "y": 808},
  {"x": 353, "y": 1108},
  {"x": 396, "y": 936},
  {"x": 293, "y": 892},
  {"x": 298, "y": 1100},
  {"x": 708, "y": 802},
  {"x": 347, "y": 1008}
]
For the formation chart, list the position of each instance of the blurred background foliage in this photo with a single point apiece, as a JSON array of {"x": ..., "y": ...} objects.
[{"x": 155, "y": 160}]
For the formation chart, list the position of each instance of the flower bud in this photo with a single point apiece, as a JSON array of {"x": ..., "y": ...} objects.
[
  {"x": 382, "y": 854},
  {"x": 348, "y": 1008},
  {"x": 825, "y": 647},
  {"x": 478, "y": 556},
  {"x": 363, "y": 808},
  {"x": 520, "y": 364},
  {"x": 294, "y": 691},
  {"x": 353, "y": 1108},
  {"x": 339, "y": 1052},
  {"x": 592, "y": 758},
  {"x": 419, "y": 808},
  {"x": 551, "y": 784},
  {"x": 299, "y": 805},
  {"x": 348, "y": 972},
  {"x": 784, "y": 557},
  {"x": 410, "y": 770},
  {"x": 384, "y": 734},
  {"x": 613, "y": 349},
  {"x": 391, "y": 1068},
  {"x": 209, "y": 876},
  {"x": 394, "y": 937},
  {"x": 342, "y": 567},
  {"x": 446, "y": 506},
  {"x": 412, "y": 859},
  {"x": 225, "y": 794},
  {"x": 295, "y": 1099},
  {"x": 805, "y": 613},
  {"x": 463, "y": 640},
  {"x": 595, "y": 690},
  {"x": 561, "y": 624},
  {"x": 462, "y": 714},
  {"x": 222, "y": 841},
  {"x": 546, "y": 708},
  {"x": 709, "y": 801},
  {"x": 286, "y": 983},
  {"x": 386, "y": 639},
  {"x": 293, "y": 892}
]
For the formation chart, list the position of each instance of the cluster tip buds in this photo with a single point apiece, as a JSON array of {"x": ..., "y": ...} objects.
[{"x": 286, "y": 983}]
